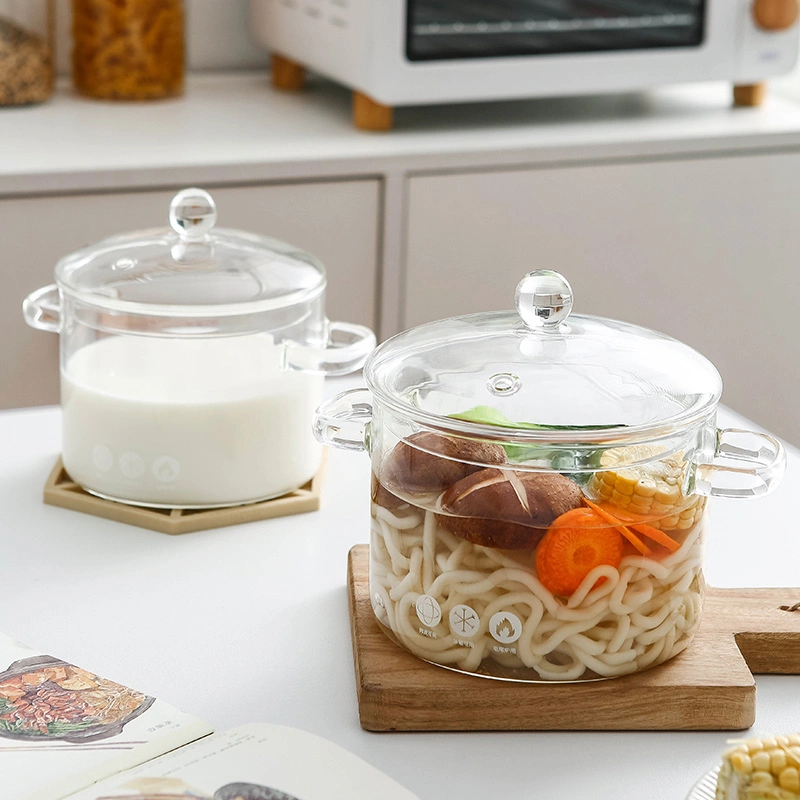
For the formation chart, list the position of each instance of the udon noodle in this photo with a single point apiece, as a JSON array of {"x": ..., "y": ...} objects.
[{"x": 641, "y": 614}]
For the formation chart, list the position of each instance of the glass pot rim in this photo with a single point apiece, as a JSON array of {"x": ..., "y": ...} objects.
[
  {"x": 194, "y": 281},
  {"x": 185, "y": 311},
  {"x": 662, "y": 395},
  {"x": 379, "y": 366},
  {"x": 191, "y": 269}
]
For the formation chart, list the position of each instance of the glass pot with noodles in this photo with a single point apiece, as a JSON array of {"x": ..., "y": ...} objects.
[{"x": 539, "y": 487}]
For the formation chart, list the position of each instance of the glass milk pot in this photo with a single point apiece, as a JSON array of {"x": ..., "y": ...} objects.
[{"x": 192, "y": 359}]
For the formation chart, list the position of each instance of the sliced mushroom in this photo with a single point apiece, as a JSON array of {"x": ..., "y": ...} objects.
[
  {"x": 432, "y": 462},
  {"x": 507, "y": 508}
]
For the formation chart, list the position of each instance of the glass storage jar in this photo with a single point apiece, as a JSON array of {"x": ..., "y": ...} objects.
[
  {"x": 539, "y": 487},
  {"x": 27, "y": 63},
  {"x": 132, "y": 50},
  {"x": 192, "y": 359}
]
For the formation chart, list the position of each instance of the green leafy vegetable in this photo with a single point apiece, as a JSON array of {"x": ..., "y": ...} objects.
[
  {"x": 577, "y": 464},
  {"x": 486, "y": 415}
]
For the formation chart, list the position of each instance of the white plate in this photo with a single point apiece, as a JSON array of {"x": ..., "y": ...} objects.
[{"x": 706, "y": 787}]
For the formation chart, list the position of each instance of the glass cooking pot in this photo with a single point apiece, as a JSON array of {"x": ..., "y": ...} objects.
[
  {"x": 539, "y": 487},
  {"x": 192, "y": 359}
]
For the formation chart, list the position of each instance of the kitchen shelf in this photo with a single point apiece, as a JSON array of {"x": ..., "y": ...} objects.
[{"x": 237, "y": 128}]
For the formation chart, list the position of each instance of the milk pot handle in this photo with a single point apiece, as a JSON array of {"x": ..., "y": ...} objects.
[
  {"x": 343, "y": 420},
  {"x": 42, "y": 309},
  {"x": 346, "y": 350},
  {"x": 746, "y": 464}
]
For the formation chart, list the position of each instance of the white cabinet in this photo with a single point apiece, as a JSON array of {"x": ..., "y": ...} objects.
[
  {"x": 337, "y": 221},
  {"x": 704, "y": 249}
]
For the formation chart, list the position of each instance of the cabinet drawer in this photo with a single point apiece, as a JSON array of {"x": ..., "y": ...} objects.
[
  {"x": 335, "y": 221},
  {"x": 704, "y": 249}
]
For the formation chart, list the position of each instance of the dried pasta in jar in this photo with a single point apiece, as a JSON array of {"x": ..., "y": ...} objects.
[{"x": 128, "y": 49}]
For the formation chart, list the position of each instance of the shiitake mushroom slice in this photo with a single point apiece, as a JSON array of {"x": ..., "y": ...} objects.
[
  {"x": 506, "y": 508},
  {"x": 432, "y": 462}
]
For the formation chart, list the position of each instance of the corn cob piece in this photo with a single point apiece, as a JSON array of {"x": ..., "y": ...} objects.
[
  {"x": 652, "y": 491},
  {"x": 761, "y": 769}
]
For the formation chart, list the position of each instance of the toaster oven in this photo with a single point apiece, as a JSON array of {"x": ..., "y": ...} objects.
[{"x": 408, "y": 52}]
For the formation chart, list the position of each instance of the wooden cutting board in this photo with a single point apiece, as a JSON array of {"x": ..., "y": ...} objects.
[{"x": 709, "y": 686}]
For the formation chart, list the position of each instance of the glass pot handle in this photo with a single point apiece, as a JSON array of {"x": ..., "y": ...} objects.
[
  {"x": 343, "y": 420},
  {"x": 346, "y": 351},
  {"x": 42, "y": 309},
  {"x": 746, "y": 464}
]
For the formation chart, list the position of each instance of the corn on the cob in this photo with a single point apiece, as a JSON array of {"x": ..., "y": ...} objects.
[
  {"x": 763, "y": 768},
  {"x": 652, "y": 490}
]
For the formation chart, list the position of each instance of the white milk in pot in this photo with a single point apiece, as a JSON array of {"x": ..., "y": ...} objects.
[
  {"x": 188, "y": 422},
  {"x": 192, "y": 360}
]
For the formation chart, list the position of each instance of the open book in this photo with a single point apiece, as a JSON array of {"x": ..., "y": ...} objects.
[{"x": 68, "y": 733}]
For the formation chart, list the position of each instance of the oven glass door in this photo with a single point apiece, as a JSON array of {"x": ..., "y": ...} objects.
[{"x": 450, "y": 29}]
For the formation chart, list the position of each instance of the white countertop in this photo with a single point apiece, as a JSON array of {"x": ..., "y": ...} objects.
[
  {"x": 236, "y": 128},
  {"x": 251, "y": 624}
]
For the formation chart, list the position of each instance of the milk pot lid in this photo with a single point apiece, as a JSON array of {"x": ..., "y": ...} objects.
[
  {"x": 191, "y": 268},
  {"x": 541, "y": 372}
]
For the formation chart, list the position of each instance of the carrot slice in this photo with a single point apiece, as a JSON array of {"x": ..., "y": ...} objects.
[
  {"x": 627, "y": 533},
  {"x": 572, "y": 547},
  {"x": 635, "y": 541},
  {"x": 656, "y": 535},
  {"x": 622, "y": 515},
  {"x": 649, "y": 531}
]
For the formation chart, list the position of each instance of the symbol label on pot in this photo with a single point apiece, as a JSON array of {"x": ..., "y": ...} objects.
[
  {"x": 166, "y": 469},
  {"x": 463, "y": 621},
  {"x": 429, "y": 612},
  {"x": 505, "y": 627},
  {"x": 102, "y": 457},
  {"x": 132, "y": 465}
]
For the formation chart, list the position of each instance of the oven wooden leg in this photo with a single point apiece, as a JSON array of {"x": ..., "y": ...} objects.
[
  {"x": 749, "y": 94},
  {"x": 370, "y": 115},
  {"x": 287, "y": 74}
]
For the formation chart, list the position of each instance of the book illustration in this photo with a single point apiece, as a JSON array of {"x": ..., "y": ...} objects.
[
  {"x": 255, "y": 761},
  {"x": 45, "y": 699},
  {"x": 63, "y": 727},
  {"x": 176, "y": 789},
  {"x": 62, "y": 738}
]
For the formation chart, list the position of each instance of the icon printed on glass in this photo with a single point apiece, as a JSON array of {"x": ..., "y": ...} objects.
[
  {"x": 102, "y": 457},
  {"x": 463, "y": 621},
  {"x": 505, "y": 627},
  {"x": 166, "y": 469},
  {"x": 132, "y": 465},
  {"x": 429, "y": 612}
]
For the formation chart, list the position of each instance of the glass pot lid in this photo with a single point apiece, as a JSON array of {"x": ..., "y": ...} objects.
[
  {"x": 193, "y": 269},
  {"x": 543, "y": 374}
]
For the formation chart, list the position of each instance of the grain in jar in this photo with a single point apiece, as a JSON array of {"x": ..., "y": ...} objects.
[
  {"x": 128, "y": 49},
  {"x": 26, "y": 53}
]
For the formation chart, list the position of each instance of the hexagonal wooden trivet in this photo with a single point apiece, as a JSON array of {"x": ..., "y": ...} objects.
[{"x": 61, "y": 490}]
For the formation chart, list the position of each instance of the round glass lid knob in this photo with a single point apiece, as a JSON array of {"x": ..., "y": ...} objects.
[
  {"x": 543, "y": 299},
  {"x": 192, "y": 213}
]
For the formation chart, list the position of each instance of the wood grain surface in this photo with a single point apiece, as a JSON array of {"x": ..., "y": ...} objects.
[
  {"x": 61, "y": 490},
  {"x": 709, "y": 686}
]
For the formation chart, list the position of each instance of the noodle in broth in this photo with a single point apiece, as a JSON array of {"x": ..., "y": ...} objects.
[{"x": 641, "y": 614}]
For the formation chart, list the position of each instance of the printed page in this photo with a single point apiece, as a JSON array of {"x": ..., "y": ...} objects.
[
  {"x": 63, "y": 728},
  {"x": 253, "y": 762}
]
